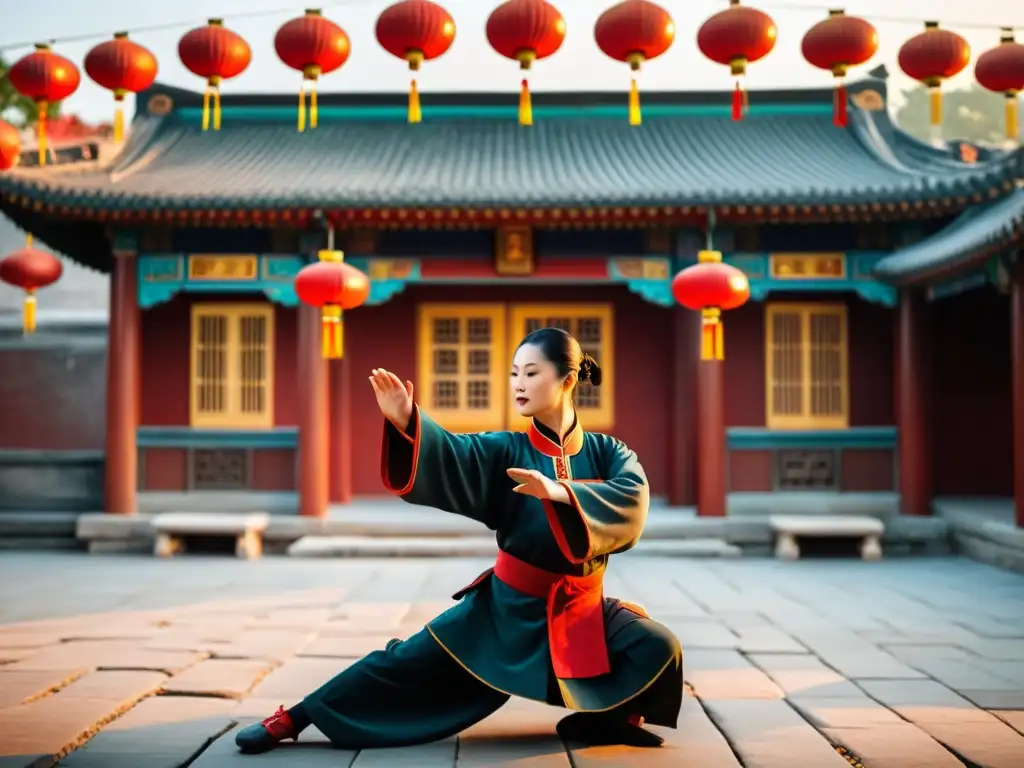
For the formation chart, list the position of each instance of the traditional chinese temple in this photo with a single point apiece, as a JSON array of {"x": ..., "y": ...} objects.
[{"x": 874, "y": 359}]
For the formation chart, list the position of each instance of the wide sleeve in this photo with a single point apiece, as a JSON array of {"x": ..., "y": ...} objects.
[
  {"x": 459, "y": 473},
  {"x": 602, "y": 517}
]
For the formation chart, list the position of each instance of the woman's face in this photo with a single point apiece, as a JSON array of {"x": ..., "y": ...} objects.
[{"x": 536, "y": 386}]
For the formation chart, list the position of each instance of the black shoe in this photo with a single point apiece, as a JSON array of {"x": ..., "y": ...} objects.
[
  {"x": 262, "y": 737},
  {"x": 598, "y": 729}
]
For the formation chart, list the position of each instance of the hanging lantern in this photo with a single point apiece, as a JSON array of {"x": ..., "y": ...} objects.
[
  {"x": 1001, "y": 69},
  {"x": 121, "y": 66},
  {"x": 334, "y": 286},
  {"x": 836, "y": 44},
  {"x": 30, "y": 269},
  {"x": 417, "y": 31},
  {"x": 932, "y": 57},
  {"x": 711, "y": 287},
  {"x": 46, "y": 78},
  {"x": 525, "y": 31},
  {"x": 634, "y": 31},
  {"x": 10, "y": 146},
  {"x": 736, "y": 37},
  {"x": 314, "y": 46},
  {"x": 217, "y": 54}
]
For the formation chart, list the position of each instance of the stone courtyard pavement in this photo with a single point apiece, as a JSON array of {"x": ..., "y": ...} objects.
[{"x": 129, "y": 662}]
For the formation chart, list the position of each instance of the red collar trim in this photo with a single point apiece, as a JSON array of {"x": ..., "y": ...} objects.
[{"x": 572, "y": 443}]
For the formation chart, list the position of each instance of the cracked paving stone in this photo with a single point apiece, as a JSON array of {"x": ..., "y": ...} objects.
[
  {"x": 11, "y": 655},
  {"x": 697, "y": 743},
  {"x": 900, "y": 745},
  {"x": 115, "y": 654},
  {"x": 267, "y": 644},
  {"x": 1013, "y": 718},
  {"x": 439, "y": 754},
  {"x": 159, "y": 732},
  {"x": 988, "y": 745},
  {"x": 770, "y": 734},
  {"x": 298, "y": 677},
  {"x": 805, "y": 676},
  {"x": 694, "y": 635},
  {"x": 727, "y": 675},
  {"x": 223, "y": 678},
  {"x": 521, "y": 732},
  {"x": 845, "y": 713},
  {"x": 313, "y": 750},
  {"x": 869, "y": 665},
  {"x": 345, "y": 646},
  {"x": 924, "y": 701},
  {"x": 307, "y": 619},
  {"x": 117, "y": 684},
  {"x": 26, "y": 639},
  {"x": 767, "y": 640},
  {"x": 18, "y": 686}
]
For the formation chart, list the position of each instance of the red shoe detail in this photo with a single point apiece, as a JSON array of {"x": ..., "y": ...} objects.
[
  {"x": 635, "y": 720},
  {"x": 280, "y": 726}
]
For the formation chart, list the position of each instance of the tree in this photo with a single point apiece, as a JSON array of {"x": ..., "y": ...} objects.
[
  {"x": 972, "y": 114},
  {"x": 20, "y": 110}
]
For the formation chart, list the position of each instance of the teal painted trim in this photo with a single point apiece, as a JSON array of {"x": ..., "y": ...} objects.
[
  {"x": 949, "y": 288},
  {"x": 757, "y": 439},
  {"x": 398, "y": 113},
  {"x": 654, "y": 290},
  {"x": 858, "y": 279},
  {"x": 382, "y": 291},
  {"x": 164, "y": 275},
  {"x": 187, "y": 437}
]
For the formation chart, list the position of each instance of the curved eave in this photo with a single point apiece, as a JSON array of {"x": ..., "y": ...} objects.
[{"x": 977, "y": 234}]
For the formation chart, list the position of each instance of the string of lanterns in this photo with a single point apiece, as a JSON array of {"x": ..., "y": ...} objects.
[{"x": 526, "y": 31}]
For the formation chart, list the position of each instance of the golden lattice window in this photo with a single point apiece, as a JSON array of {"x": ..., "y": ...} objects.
[
  {"x": 592, "y": 325},
  {"x": 461, "y": 365},
  {"x": 806, "y": 374},
  {"x": 232, "y": 366}
]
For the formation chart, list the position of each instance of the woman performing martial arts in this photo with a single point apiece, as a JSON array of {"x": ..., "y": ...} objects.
[{"x": 535, "y": 625}]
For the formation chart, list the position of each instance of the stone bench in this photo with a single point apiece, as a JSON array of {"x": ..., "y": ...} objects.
[
  {"x": 172, "y": 528},
  {"x": 788, "y": 528}
]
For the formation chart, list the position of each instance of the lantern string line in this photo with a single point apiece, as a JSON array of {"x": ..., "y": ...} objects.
[{"x": 767, "y": 6}]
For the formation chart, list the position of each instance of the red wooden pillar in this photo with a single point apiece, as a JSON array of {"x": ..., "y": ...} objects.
[
  {"x": 122, "y": 453},
  {"x": 682, "y": 440},
  {"x": 314, "y": 424},
  {"x": 912, "y": 376},
  {"x": 341, "y": 432},
  {"x": 710, "y": 437},
  {"x": 1017, "y": 362}
]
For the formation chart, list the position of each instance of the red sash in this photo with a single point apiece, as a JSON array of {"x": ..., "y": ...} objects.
[{"x": 575, "y": 615}]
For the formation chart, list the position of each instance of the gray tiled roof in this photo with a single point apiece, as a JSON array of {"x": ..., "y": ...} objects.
[
  {"x": 686, "y": 153},
  {"x": 978, "y": 231}
]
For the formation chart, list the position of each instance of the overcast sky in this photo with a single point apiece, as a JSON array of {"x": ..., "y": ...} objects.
[{"x": 471, "y": 64}]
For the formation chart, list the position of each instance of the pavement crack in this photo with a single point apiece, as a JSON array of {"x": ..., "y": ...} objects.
[
  {"x": 723, "y": 732},
  {"x": 206, "y": 744}
]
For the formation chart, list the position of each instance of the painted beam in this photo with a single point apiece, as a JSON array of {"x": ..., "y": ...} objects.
[
  {"x": 855, "y": 276},
  {"x": 162, "y": 276},
  {"x": 758, "y": 439},
  {"x": 187, "y": 437}
]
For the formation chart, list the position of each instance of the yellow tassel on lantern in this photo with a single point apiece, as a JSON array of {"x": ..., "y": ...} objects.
[
  {"x": 211, "y": 104},
  {"x": 935, "y": 104},
  {"x": 634, "y": 104},
  {"x": 302, "y": 107},
  {"x": 712, "y": 341},
  {"x": 525, "y": 104},
  {"x": 313, "y": 108},
  {"x": 28, "y": 322},
  {"x": 332, "y": 332},
  {"x": 1012, "y": 116},
  {"x": 119, "y": 122},
  {"x": 415, "y": 113}
]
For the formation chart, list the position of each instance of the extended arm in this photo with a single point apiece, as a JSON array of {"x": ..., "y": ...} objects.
[
  {"x": 427, "y": 465},
  {"x": 603, "y": 517}
]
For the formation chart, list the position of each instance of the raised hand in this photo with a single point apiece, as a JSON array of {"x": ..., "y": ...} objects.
[
  {"x": 533, "y": 483},
  {"x": 393, "y": 397}
]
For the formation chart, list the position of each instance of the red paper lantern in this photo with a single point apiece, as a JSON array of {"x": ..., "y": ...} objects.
[
  {"x": 10, "y": 146},
  {"x": 334, "y": 286},
  {"x": 1001, "y": 69},
  {"x": 46, "y": 78},
  {"x": 711, "y": 287},
  {"x": 634, "y": 31},
  {"x": 932, "y": 57},
  {"x": 836, "y": 44},
  {"x": 30, "y": 269},
  {"x": 525, "y": 31},
  {"x": 217, "y": 54},
  {"x": 121, "y": 66},
  {"x": 736, "y": 37},
  {"x": 314, "y": 46},
  {"x": 417, "y": 31}
]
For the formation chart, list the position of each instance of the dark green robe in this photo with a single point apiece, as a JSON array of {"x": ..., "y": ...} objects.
[{"x": 498, "y": 637}]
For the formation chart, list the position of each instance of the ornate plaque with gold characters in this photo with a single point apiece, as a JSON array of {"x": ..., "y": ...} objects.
[
  {"x": 808, "y": 266},
  {"x": 226, "y": 268},
  {"x": 514, "y": 251}
]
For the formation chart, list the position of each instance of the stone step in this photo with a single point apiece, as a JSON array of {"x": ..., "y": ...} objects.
[{"x": 479, "y": 546}]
